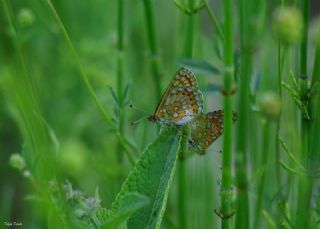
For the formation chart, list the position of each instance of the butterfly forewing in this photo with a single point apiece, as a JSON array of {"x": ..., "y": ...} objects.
[{"x": 182, "y": 100}]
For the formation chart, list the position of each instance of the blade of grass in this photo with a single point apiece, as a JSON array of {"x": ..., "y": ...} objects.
[{"x": 304, "y": 189}]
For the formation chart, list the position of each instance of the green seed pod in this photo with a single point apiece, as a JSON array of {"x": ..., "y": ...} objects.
[
  {"x": 16, "y": 161},
  {"x": 287, "y": 25},
  {"x": 269, "y": 104},
  {"x": 25, "y": 18}
]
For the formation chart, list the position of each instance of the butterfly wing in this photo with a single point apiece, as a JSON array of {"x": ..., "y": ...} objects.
[
  {"x": 206, "y": 129},
  {"x": 182, "y": 100}
]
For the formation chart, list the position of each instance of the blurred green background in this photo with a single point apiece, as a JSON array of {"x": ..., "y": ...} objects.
[{"x": 52, "y": 104}]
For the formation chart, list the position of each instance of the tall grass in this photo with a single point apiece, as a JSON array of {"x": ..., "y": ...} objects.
[{"x": 60, "y": 122}]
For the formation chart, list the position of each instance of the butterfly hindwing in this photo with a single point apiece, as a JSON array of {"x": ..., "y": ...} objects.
[{"x": 206, "y": 129}]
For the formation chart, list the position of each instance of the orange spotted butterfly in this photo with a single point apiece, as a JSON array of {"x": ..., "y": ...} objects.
[
  {"x": 205, "y": 129},
  {"x": 181, "y": 102}
]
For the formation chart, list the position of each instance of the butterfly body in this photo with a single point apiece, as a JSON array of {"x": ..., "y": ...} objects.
[
  {"x": 181, "y": 102},
  {"x": 206, "y": 129}
]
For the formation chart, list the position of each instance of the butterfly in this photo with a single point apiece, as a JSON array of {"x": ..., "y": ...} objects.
[
  {"x": 181, "y": 102},
  {"x": 205, "y": 129}
]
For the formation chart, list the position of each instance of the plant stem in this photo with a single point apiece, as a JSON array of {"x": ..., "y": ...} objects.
[
  {"x": 264, "y": 166},
  {"x": 304, "y": 75},
  {"x": 214, "y": 20},
  {"x": 190, "y": 37},
  {"x": 315, "y": 112},
  {"x": 283, "y": 194},
  {"x": 280, "y": 62},
  {"x": 304, "y": 188},
  {"x": 155, "y": 57},
  {"x": 120, "y": 51},
  {"x": 182, "y": 185},
  {"x": 242, "y": 213},
  {"x": 227, "y": 193},
  {"x": 120, "y": 79},
  {"x": 314, "y": 160}
]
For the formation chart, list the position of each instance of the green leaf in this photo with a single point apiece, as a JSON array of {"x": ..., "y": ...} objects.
[
  {"x": 199, "y": 66},
  {"x": 129, "y": 203},
  {"x": 151, "y": 177},
  {"x": 269, "y": 220},
  {"x": 125, "y": 95},
  {"x": 114, "y": 96},
  {"x": 290, "y": 155},
  {"x": 292, "y": 170}
]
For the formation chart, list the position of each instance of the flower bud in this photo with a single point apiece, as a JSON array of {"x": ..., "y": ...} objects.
[
  {"x": 287, "y": 25},
  {"x": 269, "y": 104},
  {"x": 16, "y": 161},
  {"x": 25, "y": 17}
]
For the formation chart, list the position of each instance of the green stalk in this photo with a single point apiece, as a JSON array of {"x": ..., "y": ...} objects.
[
  {"x": 304, "y": 189},
  {"x": 278, "y": 172},
  {"x": 283, "y": 194},
  {"x": 306, "y": 185},
  {"x": 120, "y": 79},
  {"x": 214, "y": 20},
  {"x": 280, "y": 62},
  {"x": 182, "y": 184},
  {"x": 227, "y": 193},
  {"x": 304, "y": 75},
  {"x": 242, "y": 213},
  {"x": 314, "y": 160},
  {"x": 264, "y": 166},
  {"x": 106, "y": 116},
  {"x": 314, "y": 106},
  {"x": 155, "y": 56},
  {"x": 120, "y": 51}
]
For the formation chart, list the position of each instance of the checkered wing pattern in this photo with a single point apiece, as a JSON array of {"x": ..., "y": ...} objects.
[
  {"x": 181, "y": 102},
  {"x": 206, "y": 129}
]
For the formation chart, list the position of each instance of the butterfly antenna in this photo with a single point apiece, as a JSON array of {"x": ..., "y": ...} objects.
[
  {"x": 139, "y": 120},
  {"x": 139, "y": 109}
]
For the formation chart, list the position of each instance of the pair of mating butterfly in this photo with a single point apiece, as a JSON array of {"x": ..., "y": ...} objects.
[{"x": 182, "y": 103}]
